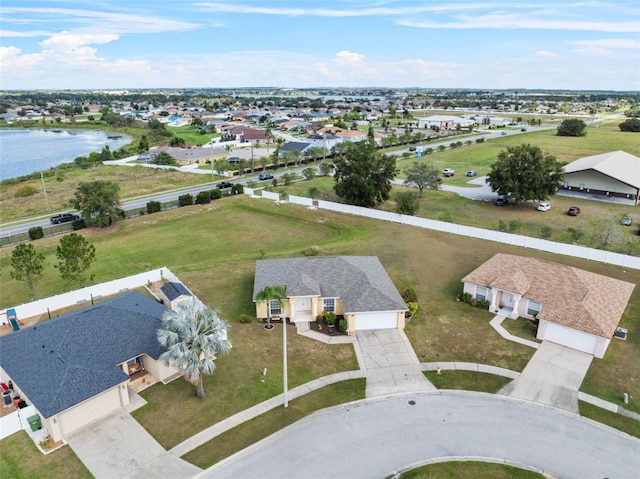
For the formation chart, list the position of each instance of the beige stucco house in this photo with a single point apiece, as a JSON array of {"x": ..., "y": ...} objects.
[
  {"x": 76, "y": 368},
  {"x": 613, "y": 174},
  {"x": 575, "y": 308},
  {"x": 356, "y": 287}
]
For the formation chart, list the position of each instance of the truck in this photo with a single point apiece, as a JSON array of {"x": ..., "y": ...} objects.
[{"x": 64, "y": 218}]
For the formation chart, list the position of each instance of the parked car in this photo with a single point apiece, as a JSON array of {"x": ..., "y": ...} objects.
[
  {"x": 64, "y": 218},
  {"x": 502, "y": 201},
  {"x": 265, "y": 176},
  {"x": 233, "y": 160},
  {"x": 412, "y": 148},
  {"x": 472, "y": 173},
  {"x": 224, "y": 184},
  {"x": 573, "y": 211},
  {"x": 504, "y": 133},
  {"x": 436, "y": 179},
  {"x": 544, "y": 206},
  {"x": 626, "y": 221},
  {"x": 447, "y": 172},
  {"x": 523, "y": 129}
]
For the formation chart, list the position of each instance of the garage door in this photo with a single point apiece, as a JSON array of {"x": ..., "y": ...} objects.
[
  {"x": 370, "y": 321},
  {"x": 571, "y": 338}
]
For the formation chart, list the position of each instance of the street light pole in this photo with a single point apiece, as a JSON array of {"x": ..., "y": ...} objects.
[{"x": 284, "y": 359}]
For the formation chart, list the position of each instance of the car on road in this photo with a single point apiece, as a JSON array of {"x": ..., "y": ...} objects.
[
  {"x": 500, "y": 201},
  {"x": 523, "y": 129},
  {"x": 64, "y": 218},
  {"x": 472, "y": 173},
  {"x": 504, "y": 133},
  {"x": 447, "y": 172},
  {"x": 626, "y": 221},
  {"x": 265, "y": 176},
  {"x": 224, "y": 184},
  {"x": 437, "y": 179},
  {"x": 573, "y": 211},
  {"x": 412, "y": 148},
  {"x": 544, "y": 206}
]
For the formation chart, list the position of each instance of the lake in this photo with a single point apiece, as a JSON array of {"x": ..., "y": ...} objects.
[{"x": 23, "y": 152}]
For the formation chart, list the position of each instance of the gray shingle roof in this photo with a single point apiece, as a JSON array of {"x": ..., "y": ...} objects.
[
  {"x": 64, "y": 361},
  {"x": 175, "y": 290},
  {"x": 294, "y": 146},
  {"x": 361, "y": 282}
]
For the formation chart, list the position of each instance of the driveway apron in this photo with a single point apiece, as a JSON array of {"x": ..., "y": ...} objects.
[
  {"x": 118, "y": 447},
  {"x": 390, "y": 364},
  {"x": 552, "y": 377}
]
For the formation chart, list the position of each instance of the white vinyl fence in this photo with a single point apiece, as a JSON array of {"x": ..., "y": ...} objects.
[
  {"x": 16, "y": 421},
  {"x": 540, "y": 244},
  {"x": 89, "y": 293}
]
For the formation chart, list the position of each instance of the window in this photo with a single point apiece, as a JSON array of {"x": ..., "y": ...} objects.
[
  {"x": 565, "y": 184},
  {"x": 582, "y": 186},
  {"x": 533, "y": 307},
  {"x": 329, "y": 305},
  {"x": 275, "y": 307},
  {"x": 481, "y": 293}
]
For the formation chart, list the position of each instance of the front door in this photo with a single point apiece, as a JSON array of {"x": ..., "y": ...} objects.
[
  {"x": 507, "y": 300},
  {"x": 303, "y": 304}
]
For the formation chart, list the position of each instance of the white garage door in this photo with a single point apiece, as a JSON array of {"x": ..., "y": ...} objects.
[
  {"x": 571, "y": 338},
  {"x": 370, "y": 321}
]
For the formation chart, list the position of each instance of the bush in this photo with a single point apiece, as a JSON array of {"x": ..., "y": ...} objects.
[
  {"x": 185, "y": 200},
  {"x": 413, "y": 307},
  {"x": 309, "y": 173},
  {"x": 244, "y": 318},
  {"x": 546, "y": 232},
  {"x": 26, "y": 191},
  {"x": 78, "y": 224},
  {"x": 154, "y": 207},
  {"x": 36, "y": 232},
  {"x": 216, "y": 194},
  {"x": 237, "y": 189},
  {"x": 203, "y": 198},
  {"x": 312, "y": 251},
  {"x": 342, "y": 325},
  {"x": 632, "y": 124},
  {"x": 409, "y": 295},
  {"x": 331, "y": 318}
]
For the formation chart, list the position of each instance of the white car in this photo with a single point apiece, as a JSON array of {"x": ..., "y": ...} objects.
[
  {"x": 544, "y": 206},
  {"x": 448, "y": 172}
]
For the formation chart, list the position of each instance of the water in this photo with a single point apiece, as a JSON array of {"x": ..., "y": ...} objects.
[{"x": 23, "y": 152}]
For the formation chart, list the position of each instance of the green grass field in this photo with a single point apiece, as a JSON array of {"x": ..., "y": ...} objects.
[{"x": 469, "y": 470}]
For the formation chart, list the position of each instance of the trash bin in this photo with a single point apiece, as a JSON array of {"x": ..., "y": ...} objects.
[{"x": 34, "y": 422}]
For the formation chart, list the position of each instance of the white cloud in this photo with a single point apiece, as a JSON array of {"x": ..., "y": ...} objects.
[
  {"x": 593, "y": 51},
  {"x": 66, "y": 42},
  {"x": 545, "y": 54},
  {"x": 609, "y": 43},
  {"x": 14, "y": 34}
]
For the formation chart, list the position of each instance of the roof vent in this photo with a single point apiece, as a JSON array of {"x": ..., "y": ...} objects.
[{"x": 621, "y": 333}]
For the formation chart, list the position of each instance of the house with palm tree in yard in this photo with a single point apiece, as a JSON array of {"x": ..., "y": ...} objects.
[{"x": 356, "y": 287}]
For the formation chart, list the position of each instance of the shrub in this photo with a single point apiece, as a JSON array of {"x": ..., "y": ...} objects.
[
  {"x": 185, "y": 200},
  {"x": 312, "y": 251},
  {"x": 203, "y": 198},
  {"x": 154, "y": 207},
  {"x": 331, "y": 318},
  {"x": 514, "y": 225},
  {"x": 575, "y": 233},
  {"x": 314, "y": 192},
  {"x": 413, "y": 307},
  {"x": 26, "y": 191},
  {"x": 546, "y": 232},
  {"x": 237, "y": 189},
  {"x": 342, "y": 325},
  {"x": 466, "y": 297},
  {"x": 36, "y": 232},
  {"x": 244, "y": 318},
  {"x": 216, "y": 194},
  {"x": 309, "y": 173},
  {"x": 632, "y": 124},
  {"x": 319, "y": 319},
  {"x": 409, "y": 295},
  {"x": 78, "y": 224}
]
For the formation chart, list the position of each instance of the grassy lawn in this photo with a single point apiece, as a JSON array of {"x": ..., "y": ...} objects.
[
  {"x": 467, "y": 381},
  {"x": 262, "y": 426},
  {"x": 21, "y": 459},
  {"x": 237, "y": 383},
  {"x": 521, "y": 327},
  {"x": 191, "y": 134},
  {"x": 469, "y": 470},
  {"x": 614, "y": 420}
]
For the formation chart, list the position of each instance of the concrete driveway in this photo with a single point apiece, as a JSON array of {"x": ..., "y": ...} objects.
[
  {"x": 118, "y": 447},
  {"x": 390, "y": 363},
  {"x": 552, "y": 377}
]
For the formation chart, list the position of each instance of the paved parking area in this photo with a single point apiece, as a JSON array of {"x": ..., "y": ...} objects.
[
  {"x": 390, "y": 363},
  {"x": 118, "y": 447},
  {"x": 552, "y": 377}
]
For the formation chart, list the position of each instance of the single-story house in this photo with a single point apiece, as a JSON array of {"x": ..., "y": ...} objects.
[
  {"x": 616, "y": 173},
  {"x": 357, "y": 287},
  {"x": 575, "y": 308},
  {"x": 75, "y": 368},
  {"x": 293, "y": 146},
  {"x": 197, "y": 155},
  {"x": 444, "y": 122},
  {"x": 326, "y": 141},
  {"x": 173, "y": 293}
]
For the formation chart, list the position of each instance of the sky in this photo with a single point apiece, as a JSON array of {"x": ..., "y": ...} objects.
[{"x": 117, "y": 44}]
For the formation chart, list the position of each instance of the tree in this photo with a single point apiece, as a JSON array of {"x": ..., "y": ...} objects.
[
  {"x": 572, "y": 127},
  {"x": 27, "y": 266},
  {"x": 422, "y": 175},
  {"x": 193, "y": 335},
  {"x": 143, "y": 144},
  {"x": 269, "y": 294},
  {"x": 363, "y": 175},
  {"x": 98, "y": 201},
  {"x": 75, "y": 255},
  {"x": 407, "y": 202},
  {"x": 525, "y": 173},
  {"x": 309, "y": 173},
  {"x": 632, "y": 124}
]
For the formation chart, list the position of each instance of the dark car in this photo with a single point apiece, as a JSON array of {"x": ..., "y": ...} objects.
[
  {"x": 502, "y": 201},
  {"x": 224, "y": 184},
  {"x": 472, "y": 173},
  {"x": 523, "y": 129},
  {"x": 412, "y": 148},
  {"x": 573, "y": 211},
  {"x": 265, "y": 176},
  {"x": 64, "y": 218},
  {"x": 437, "y": 179}
]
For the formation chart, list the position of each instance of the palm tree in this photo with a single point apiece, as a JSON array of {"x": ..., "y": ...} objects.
[
  {"x": 193, "y": 335},
  {"x": 272, "y": 293}
]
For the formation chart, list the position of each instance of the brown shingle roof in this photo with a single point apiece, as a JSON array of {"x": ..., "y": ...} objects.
[{"x": 570, "y": 296}]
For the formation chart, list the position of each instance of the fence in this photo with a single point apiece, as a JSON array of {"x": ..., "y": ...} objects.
[
  {"x": 16, "y": 421},
  {"x": 89, "y": 294},
  {"x": 540, "y": 244}
]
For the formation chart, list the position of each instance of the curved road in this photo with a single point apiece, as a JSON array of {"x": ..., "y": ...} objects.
[{"x": 372, "y": 439}]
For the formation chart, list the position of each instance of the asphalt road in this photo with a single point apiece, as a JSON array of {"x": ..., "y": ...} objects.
[{"x": 372, "y": 439}]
